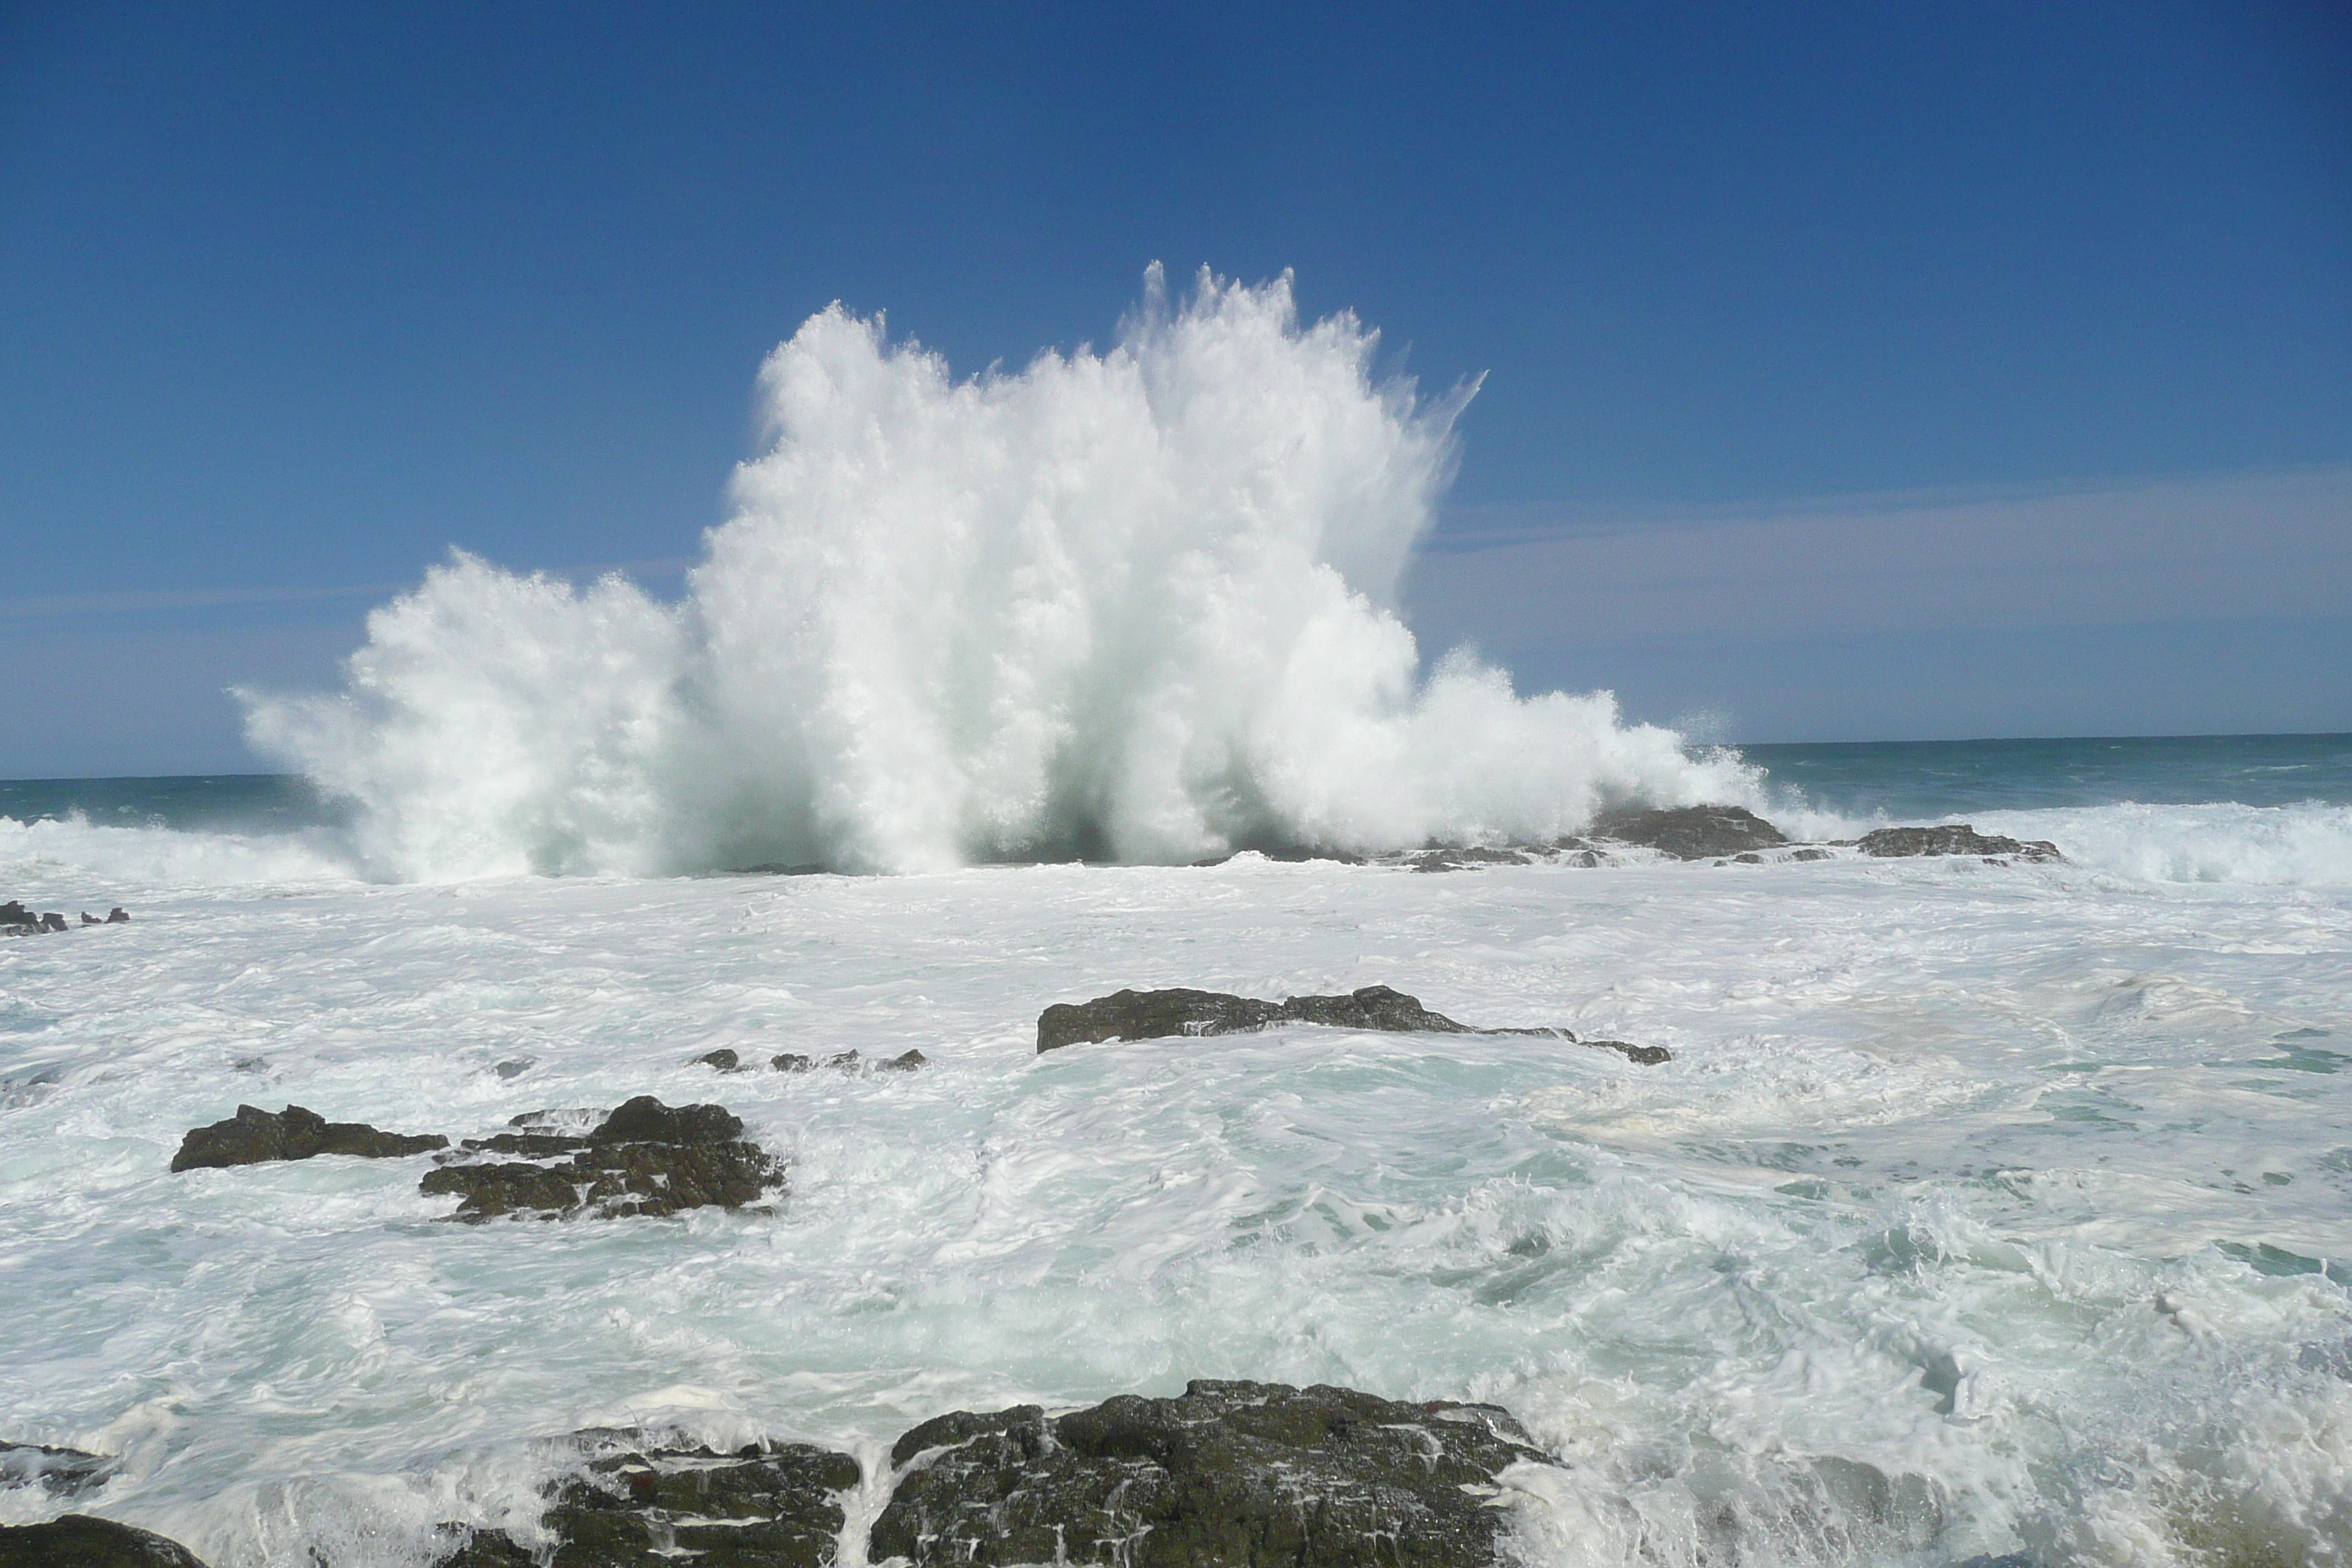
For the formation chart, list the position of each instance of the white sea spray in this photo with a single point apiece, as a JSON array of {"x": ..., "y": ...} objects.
[{"x": 1134, "y": 604}]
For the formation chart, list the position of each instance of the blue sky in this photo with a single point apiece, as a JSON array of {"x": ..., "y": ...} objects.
[{"x": 294, "y": 297}]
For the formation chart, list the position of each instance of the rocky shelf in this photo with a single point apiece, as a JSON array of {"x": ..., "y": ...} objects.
[
  {"x": 1186, "y": 1014},
  {"x": 1243, "y": 1475}
]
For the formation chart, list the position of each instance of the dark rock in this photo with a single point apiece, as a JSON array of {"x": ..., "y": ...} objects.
[
  {"x": 253, "y": 1136},
  {"x": 509, "y": 1071},
  {"x": 116, "y": 917},
  {"x": 645, "y": 1119},
  {"x": 1952, "y": 838},
  {"x": 1461, "y": 859},
  {"x": 723, "y": 1060},
  {"x": 1809, "y": 854},
  {"x": 1231, "y": 1474},
  {"x": 790, "y": 1061},
  {"x": 906, "y": 1062},
  {"x": 531, "y": 1145},
  {"x": 1645, "y": 1056},
  {"x": 1161, "y": 1014},
  {"x": 60, "y": 1472},
  {"x": 53, "y": 920},
  {"x": 770, "y": 1505},
  {"x": 1150, "y": 1015},
  {"x": 846, "y": 1062},
  {"x": 1692, "y": 832},
  {"x": 91, "y": 920},
  {"x": 647, "y": 1158},
  {"x": 77, "y": 1540}
]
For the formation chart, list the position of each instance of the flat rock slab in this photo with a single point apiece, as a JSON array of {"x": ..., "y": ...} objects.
[
  {"x": 1179, "y": 1013},
  {"x": 1236, "y": 1474},
  {"x": 77, "y": 1540},
  {"x": 60, "y": 1472},
  {"x": 1692, "y": 832},
  {"x": 253, "y": 1136},
  {"x": 1954, "y": 839},
  {"x": 647, "y": 1158},
  {"x": 772, "y": 1505}
]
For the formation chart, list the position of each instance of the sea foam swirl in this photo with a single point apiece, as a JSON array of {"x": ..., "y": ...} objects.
[{"x": 1134, "y": 604}]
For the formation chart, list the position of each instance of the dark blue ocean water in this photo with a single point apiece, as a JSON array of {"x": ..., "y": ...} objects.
[
  {"x": 1937, "y": 778},
  {"x": 1897, "y": 779}
]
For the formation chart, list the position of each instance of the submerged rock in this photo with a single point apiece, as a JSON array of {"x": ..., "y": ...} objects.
[
  {"x": 77, "y": 1540},
  {"x": 1161, "y": 1014},
  {"x": 772, "y": 1505},
  {"x": 60, "y": 1472},
  {"x": 253, "y": 1136},
  {"x": 645, "y": 1158},
  {"x": 720, "y": 1061},
  {"x": 1236, "y": 1474},
  {"x": 1692, "y": 832},
  {"x": 1953, "y": 839}
]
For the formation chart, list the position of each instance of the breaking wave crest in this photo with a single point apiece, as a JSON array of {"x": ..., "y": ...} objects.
[{"x": 1134, "y": 604}]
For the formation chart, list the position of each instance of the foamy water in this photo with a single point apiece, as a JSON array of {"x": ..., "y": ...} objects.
[{"x": 1982, "y": 1209}]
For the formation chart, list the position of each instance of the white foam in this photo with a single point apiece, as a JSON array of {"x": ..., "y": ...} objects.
[
  {"x": 1133, "y": 604},
  {"x": 1980, "y": 1210}
]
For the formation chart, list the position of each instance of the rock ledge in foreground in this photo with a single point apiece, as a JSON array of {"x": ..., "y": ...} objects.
[
  {"x": 78, "y": 1540},
  {"x": 770, "y": 1505},
  {"x": 1161, "y": 1014},
  {"x": 1953, "y": 839},
  {"x": 647, "y": 1158},
  {"x": 1242, "y": 1474},
  {"x": 253, "y": 1136}
]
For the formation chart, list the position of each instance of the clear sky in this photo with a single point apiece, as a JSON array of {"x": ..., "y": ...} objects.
[{"x": 1790, "y": 317}]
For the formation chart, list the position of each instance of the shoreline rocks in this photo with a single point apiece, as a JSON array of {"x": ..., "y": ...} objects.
[
  {"x": 15, "y": 919},
  {"x": 79, "y": 1541},
  {"x": 1953, "y": 839},
  {"x": 1181, "y": 1012},
  {"x": 1241, "y": 1473},
  {"x": 769, "y": 1505},
  {"x": 645, "y": 1158},
  {"x": 254, "y": 1137},
  {"x": 1691, "y": 831}
]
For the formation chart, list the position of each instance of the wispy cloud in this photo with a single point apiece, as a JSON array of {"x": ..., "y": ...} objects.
[
  {"x": 2275, "y": 545},
  {"x": 145, "y": 601},
  {"x": 53, "y": 606}
]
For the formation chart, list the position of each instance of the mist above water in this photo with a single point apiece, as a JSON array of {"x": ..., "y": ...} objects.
[{"x": 1135, "y": 605}]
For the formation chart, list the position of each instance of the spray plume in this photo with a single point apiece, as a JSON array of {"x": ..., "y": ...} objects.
[{"x": 1132, "y": 606}]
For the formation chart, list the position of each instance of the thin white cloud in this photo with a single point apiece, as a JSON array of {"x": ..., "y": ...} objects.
[{"x": 2250, "y": 546}]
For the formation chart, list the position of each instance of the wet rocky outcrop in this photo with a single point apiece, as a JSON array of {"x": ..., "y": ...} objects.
[
  {"x": 1179, "y": 1011},
  {"x": 770, "y": 1505},
  {"x": 645, "y": 1158},
  {"x": 17, "y": 919},
  {"x": 60, "y": 1472},
  {"x": 1954, "y": 839},
  {"x": 1237, "y": 1474},
  {"x": 1692, "y": 832},
  {"x": 253, "y": 1136},
  {"x": 78, "y": 1540}
]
